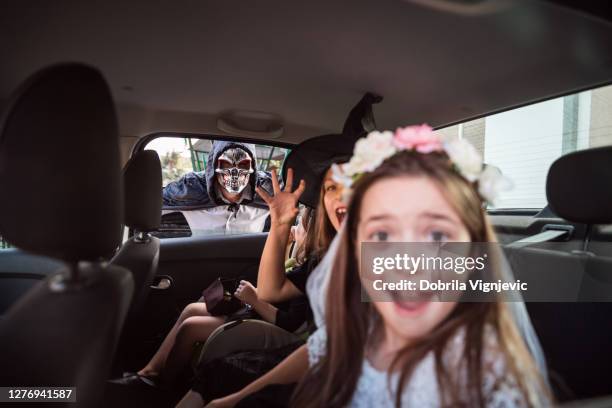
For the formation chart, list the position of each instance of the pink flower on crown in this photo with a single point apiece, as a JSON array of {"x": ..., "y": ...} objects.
[{"x": 420, "y": 138}]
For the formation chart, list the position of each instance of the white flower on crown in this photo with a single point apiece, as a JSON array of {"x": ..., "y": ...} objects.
[
  {"x": 465, "y": 157},
  {"x": 491, "y": 183},
  {"x": 370, "y": 152},
  {"x": 340, "y": 176}
]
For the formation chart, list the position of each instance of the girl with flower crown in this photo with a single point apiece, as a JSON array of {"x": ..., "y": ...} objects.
[
  {"x": 417, "y": 353},
  {"x": 411, "y": 186}
]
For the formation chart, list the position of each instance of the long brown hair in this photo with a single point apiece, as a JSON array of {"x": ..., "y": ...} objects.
[
  {"x": 332, "y": 382},
  {"x": 319, "y": 231}
]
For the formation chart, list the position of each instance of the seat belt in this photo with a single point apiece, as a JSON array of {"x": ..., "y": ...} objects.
[{"x": 543, "y": 236}]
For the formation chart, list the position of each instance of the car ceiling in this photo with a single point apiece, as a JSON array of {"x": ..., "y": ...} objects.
[{"x": 176, "y": 66}]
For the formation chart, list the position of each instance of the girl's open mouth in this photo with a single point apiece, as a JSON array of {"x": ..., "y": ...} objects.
[
  {"x": 411, "y": 308},
  {"x": 340, "y": 214},
  {"x": 413, "y": 304}
]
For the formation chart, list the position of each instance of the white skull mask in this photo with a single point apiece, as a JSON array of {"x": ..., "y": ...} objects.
[{"x": 234, "y": 168}]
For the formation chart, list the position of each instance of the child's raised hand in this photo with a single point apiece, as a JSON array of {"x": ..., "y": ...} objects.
[
  {"x": 246, "y": 292},
  {"x": 283, "y": 204}
]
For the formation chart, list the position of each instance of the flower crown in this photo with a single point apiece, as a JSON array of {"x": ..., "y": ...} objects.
[{"x": 376, "y": 147}]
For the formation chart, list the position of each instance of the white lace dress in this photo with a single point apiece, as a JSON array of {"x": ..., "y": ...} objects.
[{"x": 375, "y": 390}]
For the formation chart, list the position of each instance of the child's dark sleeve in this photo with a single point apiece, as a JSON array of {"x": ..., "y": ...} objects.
[{"x": 297, "y": 313}]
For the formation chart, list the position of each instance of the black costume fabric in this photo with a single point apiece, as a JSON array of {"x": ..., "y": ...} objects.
[{"x": 298, "y": 311}]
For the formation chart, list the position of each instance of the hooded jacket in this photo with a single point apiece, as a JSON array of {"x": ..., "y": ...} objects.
[{"x": 196, "y": 190}]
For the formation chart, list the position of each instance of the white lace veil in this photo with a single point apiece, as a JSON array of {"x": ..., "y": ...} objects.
[
  {"x": 318, "y": 283},
  {"x": 517, "y": 307}
]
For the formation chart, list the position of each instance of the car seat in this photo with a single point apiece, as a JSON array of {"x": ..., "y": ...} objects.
[
  {"x": 576, "y": 335},
  {"x": 142, "y": 183},
  {"x": 60, "y": 183}
]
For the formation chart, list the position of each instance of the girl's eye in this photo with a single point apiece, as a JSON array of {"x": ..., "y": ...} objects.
[
  {"x": 380, "y": 236},
  {"x": 438, "y": 236},
  {"x": 330, "y": 187}
]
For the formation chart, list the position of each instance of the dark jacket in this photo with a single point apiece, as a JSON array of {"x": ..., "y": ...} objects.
[{"x": 196, "y": 190}]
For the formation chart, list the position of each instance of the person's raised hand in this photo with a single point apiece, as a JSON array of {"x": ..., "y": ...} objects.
[{"x": 283, "y": 204}]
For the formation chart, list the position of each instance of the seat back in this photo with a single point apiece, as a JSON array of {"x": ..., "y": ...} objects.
[
  {"x": 142, "y": 182},
  {"x": 60, "y": 183},
  {"x": 575, "y": 336},
  {"x": 243, "y": 335},
  {"x": 574, "y": 325},
  {"x": 16, "y": 276}
]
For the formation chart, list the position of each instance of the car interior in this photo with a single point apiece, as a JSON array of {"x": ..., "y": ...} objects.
[{"x": 104, "y": 104}]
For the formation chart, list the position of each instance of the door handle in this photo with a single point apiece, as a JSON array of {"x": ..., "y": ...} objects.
[{"x": 162, "y": 283}]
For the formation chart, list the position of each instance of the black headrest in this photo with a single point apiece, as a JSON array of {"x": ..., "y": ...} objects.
[
  {"x": 59, "y": 165},
  {"x": 311, "y": 159},
  {"x": 142, "y": 184},
  {"x": 579, "y": 187}
]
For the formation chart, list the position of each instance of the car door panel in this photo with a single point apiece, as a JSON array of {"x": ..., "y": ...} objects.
[
  {"x": 190, "y": 264},
  {"x": 194, "y": 263}
]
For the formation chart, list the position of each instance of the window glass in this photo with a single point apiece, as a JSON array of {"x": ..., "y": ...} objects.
[
  {"x": 524, "y": 142},
  {"x": 180, "y": 155},
  {"x": 234, "y": 208}
]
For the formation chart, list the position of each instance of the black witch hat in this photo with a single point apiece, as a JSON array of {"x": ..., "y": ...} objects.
[{"x": 311, "y": 158}]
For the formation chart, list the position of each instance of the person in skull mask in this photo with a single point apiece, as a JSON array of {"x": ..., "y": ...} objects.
[{"x": 223, "y": 197}]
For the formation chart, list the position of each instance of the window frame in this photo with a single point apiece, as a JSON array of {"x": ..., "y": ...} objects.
[
  {"x": 142, "y": 143},
  {"x": 525, "y": 104}
]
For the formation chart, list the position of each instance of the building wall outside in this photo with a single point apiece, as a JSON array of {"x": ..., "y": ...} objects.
[{"x": 601, "y": 117}]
